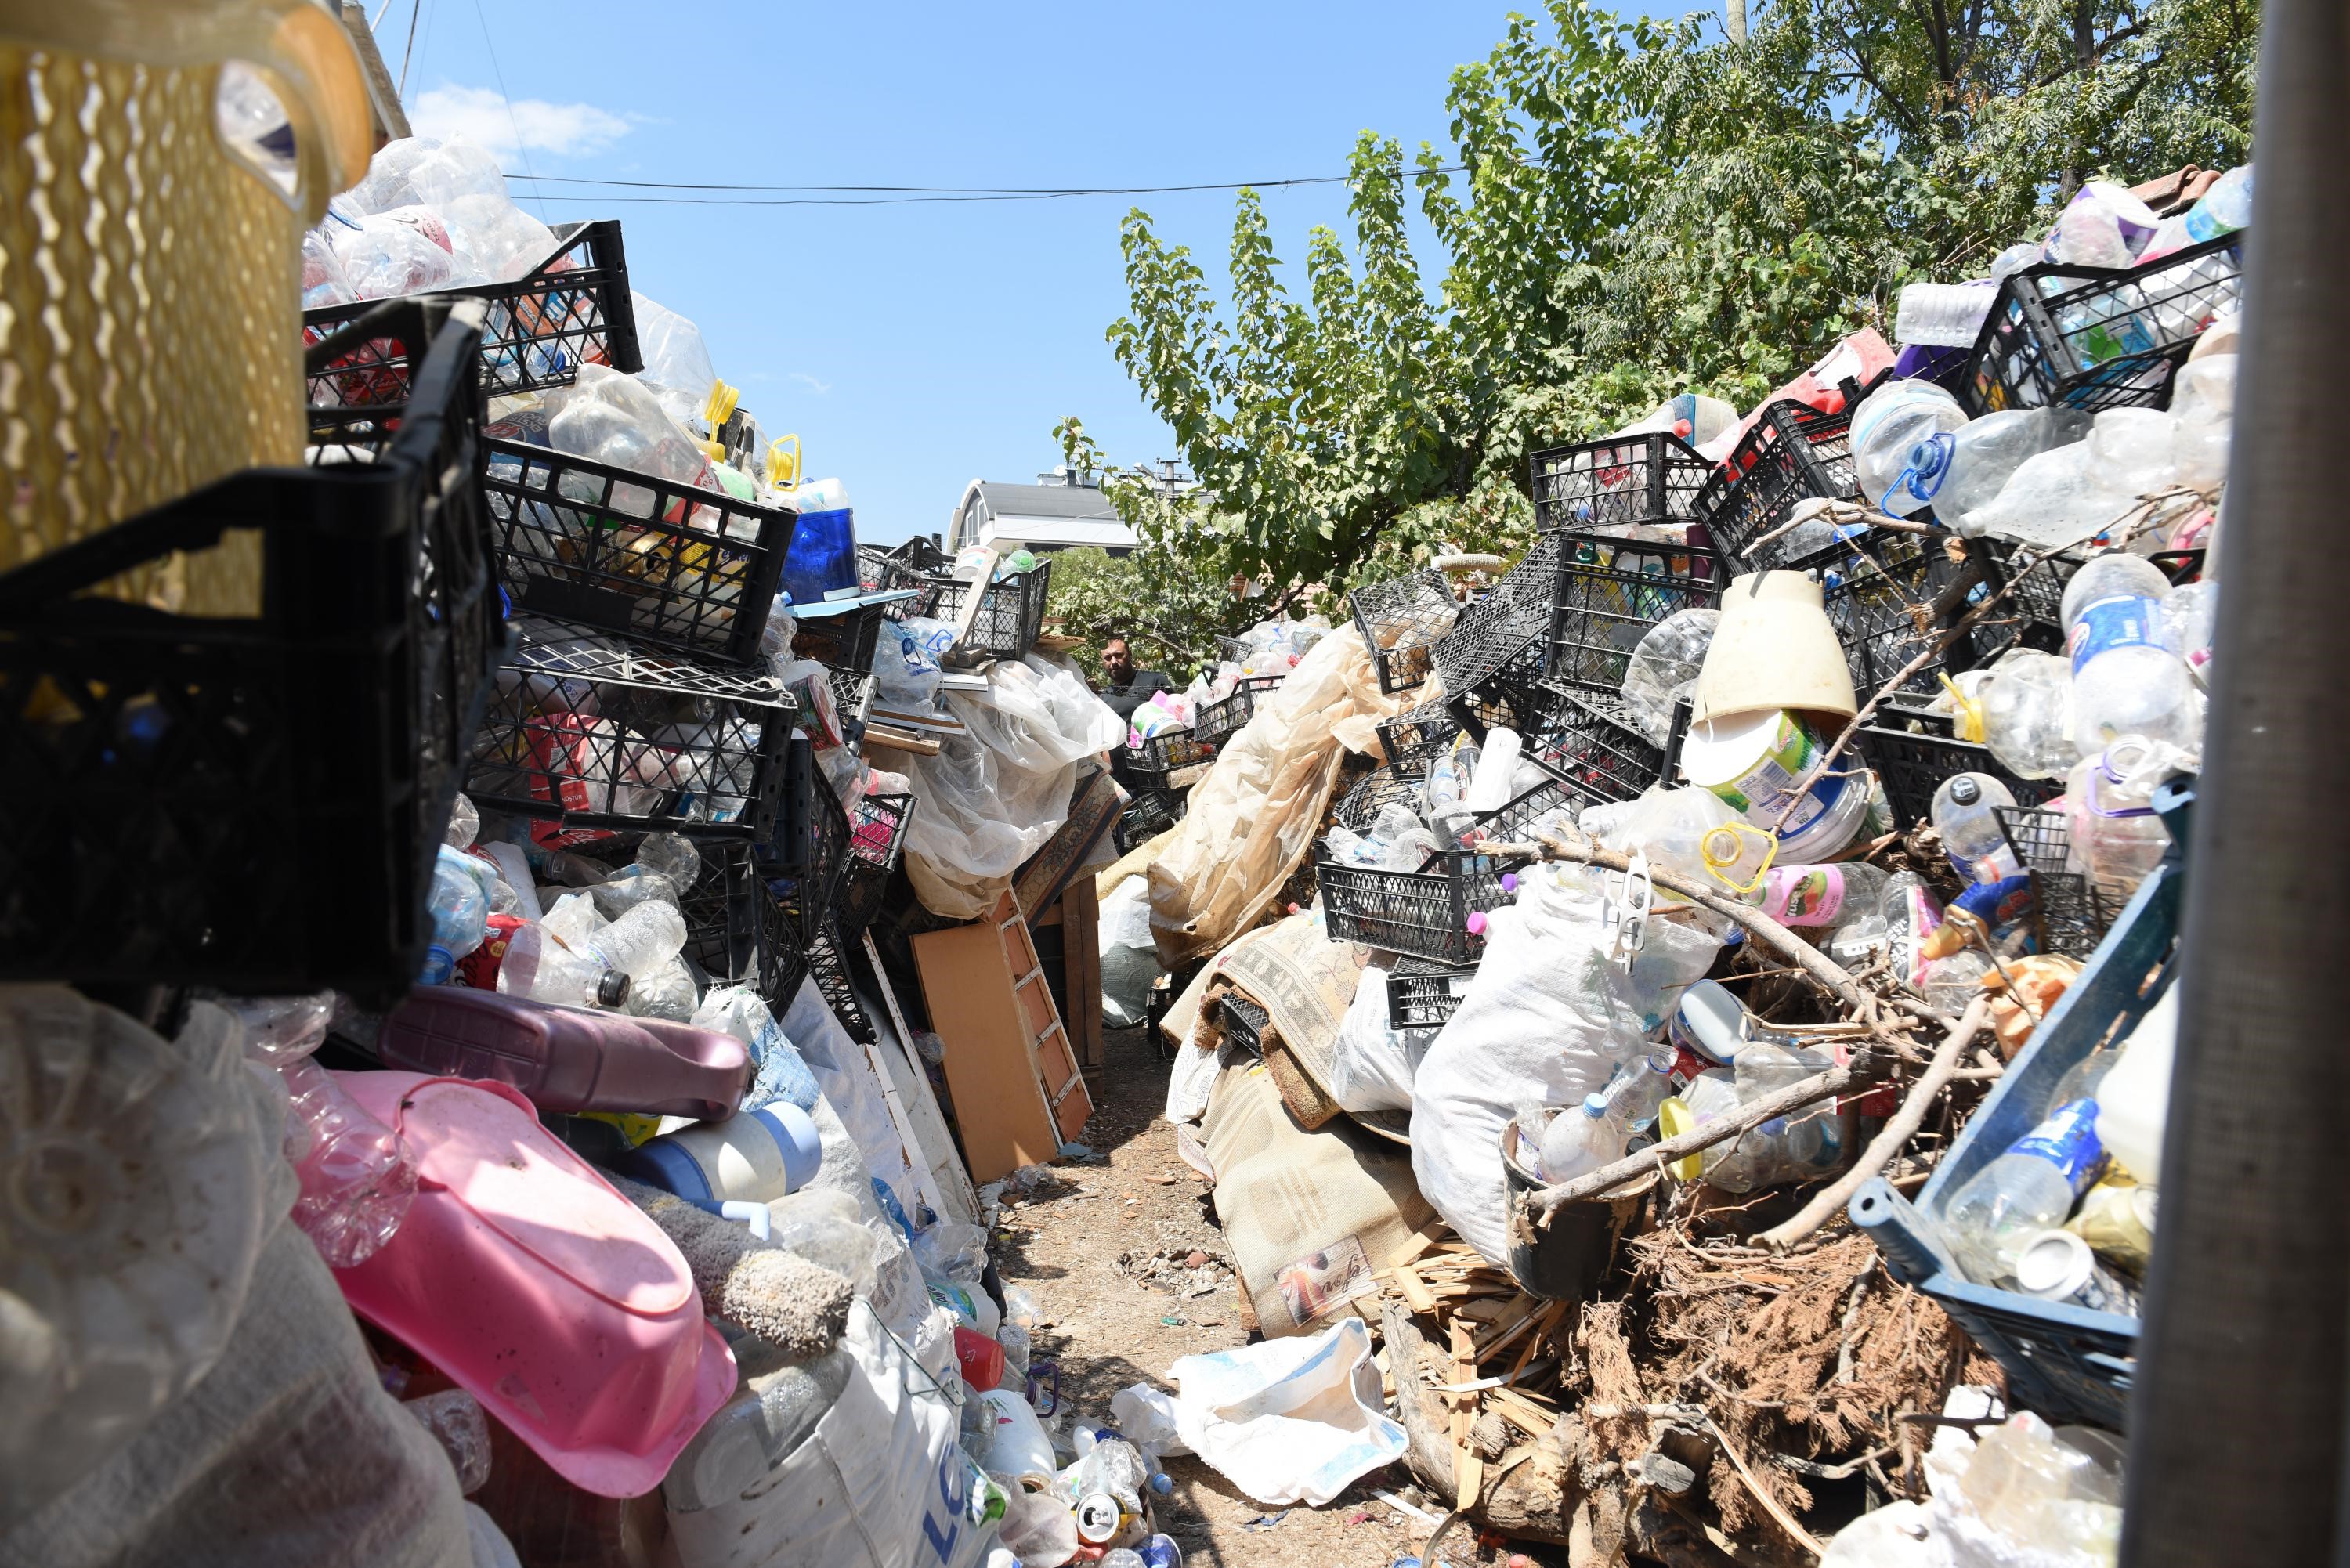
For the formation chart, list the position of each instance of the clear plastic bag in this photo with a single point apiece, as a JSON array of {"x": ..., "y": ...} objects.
[{"x": 678, "y": 366}]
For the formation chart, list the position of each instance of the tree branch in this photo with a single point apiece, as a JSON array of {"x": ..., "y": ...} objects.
[{"x": 1898, "y": 1131}]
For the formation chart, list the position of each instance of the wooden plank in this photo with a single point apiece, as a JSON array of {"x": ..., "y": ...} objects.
[
  {"x": 1415, "y": 1291},
  {"x": 1081, "y": 953},
  {"x": 1006, "y": 1118}
]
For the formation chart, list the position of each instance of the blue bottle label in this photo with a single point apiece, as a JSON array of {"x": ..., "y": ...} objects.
[
  {"x": 2125, "y": 621},
  {"x": 2067, "y": 1140}
]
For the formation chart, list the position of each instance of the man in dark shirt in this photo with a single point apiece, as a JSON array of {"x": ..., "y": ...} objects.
[{"x": 1128, "y": 688}]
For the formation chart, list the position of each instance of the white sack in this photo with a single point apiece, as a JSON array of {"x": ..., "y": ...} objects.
[
  {"x": 880, "y": 1484},
  {"x": 1288, "y": 1420},
  {"x": 1370, "y": 1068},
  {"x": 1545, "y": 1022}
]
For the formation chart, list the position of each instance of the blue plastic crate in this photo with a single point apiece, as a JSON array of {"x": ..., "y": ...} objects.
[{"x": 2064, "y": 1363}]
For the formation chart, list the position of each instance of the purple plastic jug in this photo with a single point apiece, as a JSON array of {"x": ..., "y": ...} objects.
[{"x": 567, "y": 1058}]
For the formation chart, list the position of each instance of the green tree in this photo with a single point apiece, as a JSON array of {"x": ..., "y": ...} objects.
[{"x": 1629, "y": 211}]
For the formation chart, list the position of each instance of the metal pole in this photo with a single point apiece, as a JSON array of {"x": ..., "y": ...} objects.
[{"x": 2236, "y": 1433}]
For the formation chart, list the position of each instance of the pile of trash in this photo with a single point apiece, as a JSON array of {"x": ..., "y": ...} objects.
[
  {"x": 1717, "y": 964},
  {"x": 1636, "y": 1008}
]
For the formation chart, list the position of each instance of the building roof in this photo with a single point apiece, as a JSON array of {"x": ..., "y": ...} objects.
[{"x": 1046, "y": 501}]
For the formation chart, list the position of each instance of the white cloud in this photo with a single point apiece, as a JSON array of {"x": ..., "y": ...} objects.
[
  {"x": 480, "y": 115},
  {"x": 810, "y": 382}
]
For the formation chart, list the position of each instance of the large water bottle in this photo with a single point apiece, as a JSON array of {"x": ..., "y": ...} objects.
[
  {"x": 2125, "y": 681},
  {"x": 2116, "y": 834},
  {"x": 1581, "y": 1139},
  {"x": 1963, "y": 470},
  {"x": 2029, "y": 1189},
  {"x": 2226, "y": 207},
  {"x": 1489, "y": 788},
  {"x": 1965, "y": 815},
  {"x": 1886, "y": 425},
  {"x": 460, "y": 905},
  {"x": 597, "y": 969}
]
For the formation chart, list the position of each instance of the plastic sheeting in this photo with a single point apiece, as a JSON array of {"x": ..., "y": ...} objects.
[
  {"x": 1252, "y": 818},
  {"x": 995, "y": 794}
]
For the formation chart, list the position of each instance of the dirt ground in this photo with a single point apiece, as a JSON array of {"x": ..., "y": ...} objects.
[{"x": 1086, "y": 1248}]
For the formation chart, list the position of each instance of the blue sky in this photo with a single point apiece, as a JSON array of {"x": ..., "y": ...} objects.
[{"x": 914, "y": 348}]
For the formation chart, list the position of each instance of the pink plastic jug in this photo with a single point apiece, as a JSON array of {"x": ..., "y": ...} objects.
[
  {"x": 545, "y": 1294},
  {"x": 567, "y": 1058}
]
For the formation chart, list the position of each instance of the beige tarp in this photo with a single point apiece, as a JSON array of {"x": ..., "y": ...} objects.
[{"x": 1253, "y": 819}]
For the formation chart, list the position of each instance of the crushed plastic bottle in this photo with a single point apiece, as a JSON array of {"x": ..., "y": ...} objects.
[
  {"x": 2125, "y": 681},
  {"x": 1663, "y": 667},
  {"x": 2027, "y": 714},
  {"x": 358, "y": 1176},
  {"x": 457, "y": 1421},
  {"x": 2029, "y": 1190},
  {"x": 144, "y": 1178},
  {"x": 459, "y": 903},
  {"x": 599, "y": 968},
  {"x": 2116, "y": 834},
  {"x": 1886, "y": 425}
]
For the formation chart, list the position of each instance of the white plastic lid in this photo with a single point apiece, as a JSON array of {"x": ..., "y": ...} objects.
[
  {"x": 2054, "y": 1265},
  {"x": 1717, "y": 751},
  {"x": 1712, "y": 1019}
]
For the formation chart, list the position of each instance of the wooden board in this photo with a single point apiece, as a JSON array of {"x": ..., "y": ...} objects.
[
  {"x": 904, "y": 1067},
  {"x": 1081, "y": 953},
  {"x": 1017, "y": 1092}
]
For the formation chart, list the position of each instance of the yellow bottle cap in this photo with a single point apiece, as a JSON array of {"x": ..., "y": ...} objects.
[
  {"x": 1673, "y": 1119},
  {"x": 719, "y": 407}
]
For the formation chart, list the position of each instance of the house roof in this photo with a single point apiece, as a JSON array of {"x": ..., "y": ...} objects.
[{"x": 1046, "y": 501}]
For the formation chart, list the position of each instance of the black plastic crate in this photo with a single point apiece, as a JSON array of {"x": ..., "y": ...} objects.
[
  {"x": 2099, "y": 337},
  {"x": 1245, "y": 1023},
  {"x": 1152, "y": 813},
  {"x": 255, "y": 803},
  {"x": 1591, "y": 740},
  {"x": 1227, "y": 716},
  {"x": 1792, "y": 453},
  {"x": 1506, "y": 698},
  {"x": 695, "y": 570},
  {"x": 1880, "y": 598},
  {"x": 1011, "y": 612},
  {"x": 733, "y": 930},
  {"x": 1611, "y": 593},
  {"x": 1912, "y": 764},
  {"x": 1651, "y": 479},
  {"x": 1359, "y": 807},
  {"x": 1425, "y": 912},
  {"x": 1162, "y": 753},
  {"x": 1400, "y": 620},
  {"x": 807, "y": 857},
  {"x": 572, "y": 309},
  {"x": 886, "y": 571},
  {"x": 843, "y": 642},
  {"x": 2074, "y": 918},
  {"x": 827, "y": 963},
  {"x": 1491, "y": 640},
  {"x": 2039, "y": 595},
  {"x": 876, "y": 838},
  {"x": 584, "y": 729},
  {"x": 1424, "y": 995},
  {"x": 1409, "y": 740}
]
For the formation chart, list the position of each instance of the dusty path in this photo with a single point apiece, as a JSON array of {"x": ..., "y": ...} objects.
[{"x": 1109, "y": 1254}]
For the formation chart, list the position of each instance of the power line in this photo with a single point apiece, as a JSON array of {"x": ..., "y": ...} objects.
[
  {"x": 904, "y": 195},
  {"x": 498, "y": 72}
]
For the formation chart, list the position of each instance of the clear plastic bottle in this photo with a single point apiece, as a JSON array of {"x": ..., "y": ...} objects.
[
  {"x": 1580, "y": 1139},
  {"x": 1964, "y": 815},
  {"x": 596, "y": 969},
  {"x": 2125, "y": 681},
  {"x": 1911, "y": 914},
  {"x": 1639, "y": 1087},
  {"x": 2116, "y": 835},
  {"x": 1885, "y": 426},
  {"x": 1447, "y": 778},
  {"x": 2226, "y": 207},
  {"x": 2027, "y": 1191},
  {"x": 2027, "y": 714},
  {"x": 1962, "y": 471},
  {"x": 1664, "y": 668},
  {"x": 460, "y": 905}
]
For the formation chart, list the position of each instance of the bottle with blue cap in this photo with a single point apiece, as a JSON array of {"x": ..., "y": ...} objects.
[{"x": 1582, "y": 1139}]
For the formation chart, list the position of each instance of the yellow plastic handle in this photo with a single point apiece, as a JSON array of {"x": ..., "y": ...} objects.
[
  {"x": 327, "y": 105},
  {"x": 1721, "y": 848},
  {"x": 783, "y": 469}
]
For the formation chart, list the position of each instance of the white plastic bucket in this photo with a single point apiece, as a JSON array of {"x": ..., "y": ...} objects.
[{"x": 1753, "y": 762}]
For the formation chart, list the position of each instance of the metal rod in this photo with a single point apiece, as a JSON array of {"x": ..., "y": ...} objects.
[{"x": 2237, "y": 1410}]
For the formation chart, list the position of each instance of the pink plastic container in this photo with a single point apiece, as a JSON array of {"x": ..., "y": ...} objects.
[
  {"x": 567, "y": 1058},
  {"x": 545, "y": 1294}
]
